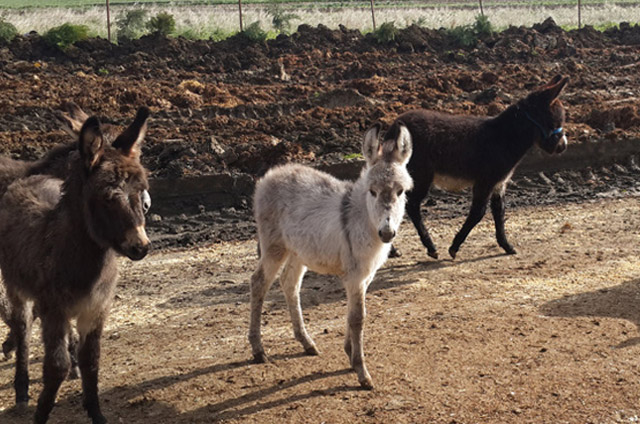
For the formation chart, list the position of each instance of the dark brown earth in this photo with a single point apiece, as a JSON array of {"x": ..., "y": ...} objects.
[{"x": 546, "y": 336}]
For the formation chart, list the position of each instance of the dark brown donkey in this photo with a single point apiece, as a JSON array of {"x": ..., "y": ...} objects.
[
  {"x": 59, "y": 247},
  {"x": 454, "y": 152},
  {"x": 54, "y": 163}
]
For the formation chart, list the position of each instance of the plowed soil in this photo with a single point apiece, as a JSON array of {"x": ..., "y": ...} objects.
[{"x": 549, "y": 335}]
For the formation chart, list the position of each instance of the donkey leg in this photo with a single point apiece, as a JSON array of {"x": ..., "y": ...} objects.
[
  {"x": 497, "y": 210},
  {"x": 55, "y": 329},
  {"x": 478, "y": 209},
  {"x": 74, "y": 373},
  {"x": 90, "y": 331},
  {"x": 261, "y": 280},
  {"x": 414, "y": 200},
  {"x": 356, "y": 314},
  {"x": 290, "y": 281},
  {"x": 20, "y": 327}
]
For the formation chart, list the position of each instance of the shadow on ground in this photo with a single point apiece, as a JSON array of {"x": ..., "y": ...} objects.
[{"x": 620, "y": 302}]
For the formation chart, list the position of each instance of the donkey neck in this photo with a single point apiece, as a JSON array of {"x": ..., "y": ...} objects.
[
  {"x": 355, "y": 217},
  {"x": 513, "y": 131}
]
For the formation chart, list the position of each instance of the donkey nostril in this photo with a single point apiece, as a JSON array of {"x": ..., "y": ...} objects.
[{"x": 380, "y": 233}]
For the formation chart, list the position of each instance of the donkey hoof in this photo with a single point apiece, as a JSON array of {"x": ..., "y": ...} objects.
[
  {"x": 510, "y": 250},
  {"x": 433, "y": 254},
  {"x": 260, "y": 358},
  {"x": 98, "y": 419},
  {"x": 8, "y": 347},
  {"x": 21, "y": 407},
  {"x": 366, "y": 384},
  {"x": 312, "y": 351},
  {"x": 453, "y": 252},
  {"x": 394, "y": 253}
]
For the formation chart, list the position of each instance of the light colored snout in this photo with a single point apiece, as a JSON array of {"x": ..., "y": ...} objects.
[
  {"x": 386, "y": 232},
  {"x": 137, "y": 243},
  {"x": 562, "y": 144}
]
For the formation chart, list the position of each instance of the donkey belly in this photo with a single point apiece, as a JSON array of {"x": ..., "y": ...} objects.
[{"x": 449, "y": 183}]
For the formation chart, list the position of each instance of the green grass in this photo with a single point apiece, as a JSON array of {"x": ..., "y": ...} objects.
[{"x": 17, "y": 4}]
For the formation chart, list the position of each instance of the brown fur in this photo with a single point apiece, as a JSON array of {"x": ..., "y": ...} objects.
[
  {"x": 455, "y": 152},
  {"x": 73, "y": 231}
]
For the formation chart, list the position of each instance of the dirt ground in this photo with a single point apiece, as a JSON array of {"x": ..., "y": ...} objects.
[{"x": 549, "y": 335}]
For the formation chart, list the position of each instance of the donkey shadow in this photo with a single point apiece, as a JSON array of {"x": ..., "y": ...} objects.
[
  {"x": 620, "y": 302},
  {"x": 232, "y": 408}
]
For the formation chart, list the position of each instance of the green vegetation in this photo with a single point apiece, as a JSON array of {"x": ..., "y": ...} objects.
[
  {"x": 65, "y": 35},
  {"x": 469, "y": 35},
  {"x": 163, "y": 22},
  {"x": 19, "y": 4},
  {"x": 254, "y": 32},
  {"x": 7, "y": 31},
  {"x": 132, "y": 24},
  {"x": 280, "y": 19},
  {"x": 386, "y": 32}
]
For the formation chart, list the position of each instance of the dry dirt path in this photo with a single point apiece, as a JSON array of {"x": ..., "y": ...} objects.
[{"x": 547, "y": 336}]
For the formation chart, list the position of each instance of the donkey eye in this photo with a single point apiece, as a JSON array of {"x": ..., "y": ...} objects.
[
  {"x": 146, "y": 201},
  {"x": 373, "y": 193}
]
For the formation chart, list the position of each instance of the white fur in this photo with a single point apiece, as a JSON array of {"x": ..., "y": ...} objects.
[{"x": 308, "y": 219}]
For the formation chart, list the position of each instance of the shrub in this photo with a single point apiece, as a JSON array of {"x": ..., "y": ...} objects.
[
  {"x": 132, "y": 24},
  {"x": 468, "y": 35},
  {"x": 464, "y": 36},
  {"x": 7, "y": 31},
  {"x": 65, "y": 35},
  {"x": 254, "y": 32},
  {"x": 483, "y": 27},
  {"x": 163, "y": 22},
  {"x": 280, "y": 19},
  {"x": 386, "y": 32}
]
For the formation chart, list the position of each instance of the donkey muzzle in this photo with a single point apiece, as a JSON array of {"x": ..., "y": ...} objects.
[
  {"x": 137, "y": 244},
  {"x": 562, "y": 145},
  {"x": 386, "y": 234}
]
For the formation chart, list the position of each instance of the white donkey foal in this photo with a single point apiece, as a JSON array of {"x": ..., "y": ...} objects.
[{"x": 310, "y": 219}]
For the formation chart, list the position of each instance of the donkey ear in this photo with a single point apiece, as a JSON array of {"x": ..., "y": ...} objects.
[
  {"x": 91, "y": 143},
  {"x": 552, "y": 91},
  {"x": 404, "y": 145},
  {"x": 72, "y": 118},
  {"x": 398, "y": 149},
  {"x": 129, "y": 141},
  {"x": 371, "y": 144}
]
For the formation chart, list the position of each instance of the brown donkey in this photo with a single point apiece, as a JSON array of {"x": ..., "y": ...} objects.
[
  {"x": 455, "y": 152},
  {"x": 73, "y": 231},
  {"x": 55, "y": 163}
]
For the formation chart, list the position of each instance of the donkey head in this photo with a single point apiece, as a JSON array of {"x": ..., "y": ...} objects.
[
  {"x": 73, "y": 118},
  {"x": 543, "y": 108},
  {"x": 387, "y": 177},
  {"x": 114, "y": 186}
]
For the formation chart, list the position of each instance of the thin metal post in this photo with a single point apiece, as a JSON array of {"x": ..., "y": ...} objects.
[
  {"x": 481, "y": 11},
  {"x": 108, "y": 22},
  {"x": 579, "y": 14},
  {"x": 240, "y": 11},
  {"x": 373, "y": 16}
]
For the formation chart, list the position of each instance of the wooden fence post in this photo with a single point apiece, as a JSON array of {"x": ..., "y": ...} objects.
[
  {"x": 108, "y": 22},
  {"x": 373, "y": 16},
  {"x": 240, "y": 11}
]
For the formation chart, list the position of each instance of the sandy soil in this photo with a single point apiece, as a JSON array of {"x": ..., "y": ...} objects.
[{"x": 546, "y": 336}]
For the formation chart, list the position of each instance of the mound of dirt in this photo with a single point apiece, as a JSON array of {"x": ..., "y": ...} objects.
[{"x": 239, "y": 106}]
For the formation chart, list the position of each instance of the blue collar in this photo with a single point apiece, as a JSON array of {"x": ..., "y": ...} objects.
[{"x": 544, "y": 133}]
